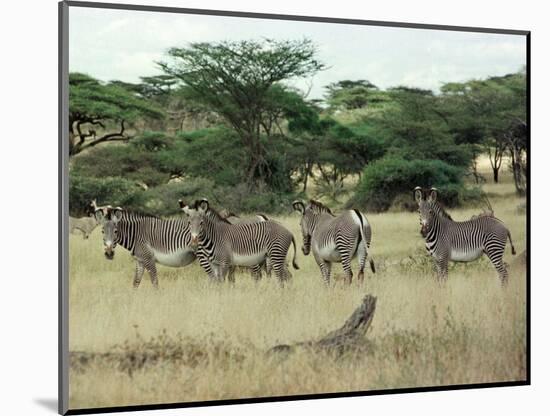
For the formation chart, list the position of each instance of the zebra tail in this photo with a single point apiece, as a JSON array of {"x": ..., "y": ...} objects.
[
  {"x": 360, "y": 216},
  {"x": 294, "y": 264},
  {"x": 512, "y": 244}
]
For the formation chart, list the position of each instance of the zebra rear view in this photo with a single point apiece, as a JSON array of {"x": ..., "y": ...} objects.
[{"x": 448, "y": 240}]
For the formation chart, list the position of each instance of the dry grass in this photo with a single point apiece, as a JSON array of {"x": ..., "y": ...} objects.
[{"x": 208, "y": 341}]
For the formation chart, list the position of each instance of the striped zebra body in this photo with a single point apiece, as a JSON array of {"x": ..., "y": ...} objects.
[
  {"x": 448, "y": 240},
  {"x": 335, "y": 239},
  {"x": 85, "y": 225},
  {"x": 149, "y": 239},
  {"x": 227, "y": 245}
]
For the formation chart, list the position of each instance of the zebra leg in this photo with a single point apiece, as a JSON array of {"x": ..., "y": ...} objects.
[
  {"x": 223, "y": 270},
  {"x": 152, "y": 269},
  {"x": 325, "y": 267},
  {"x": 257, "y": 272},
  {"x": 362, "y": 255},
  {"x": 216, "y": 275},
  {"x": 268, "y": 267},
  {"x": 205, "y": 263},
  {"x": 346, "y": 251},
  {"x": 495, "y": 255},
  {"x": 279, "y": 268},
  {"x": 442, "y": 266},
  {"x": 139, "y": 273},
  {"x": 231, "y": 274}
]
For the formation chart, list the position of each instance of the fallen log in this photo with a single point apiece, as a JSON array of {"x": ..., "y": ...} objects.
[
  {"x": 349, "y": 337},
  {"x": 128, "y": 358}
]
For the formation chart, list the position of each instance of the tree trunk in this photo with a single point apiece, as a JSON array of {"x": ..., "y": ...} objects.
[
  {"x": 348, "y": 338},
  {"x": 306, "y": 176},
  {"x": 495, "y": 175},
  {"x": 517, "y": 171},
  {"x": 474, "y": 168}
]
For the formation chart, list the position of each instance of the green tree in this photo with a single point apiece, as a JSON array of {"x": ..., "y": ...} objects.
[
  {"x": 350, "y": 95},
  {"x": 416, "y": 128},
  {"x": 490, "y": 112},
  {"x": 99, "y": 112},
  {"x": 235, "y": 79}
]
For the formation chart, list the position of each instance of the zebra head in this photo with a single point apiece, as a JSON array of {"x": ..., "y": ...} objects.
[
  {"x": 310, "y": 216},
  {"x": 196, "y": 213},
  {"x": 109, "y": 218},
  {"x": 427, "y": 207}
]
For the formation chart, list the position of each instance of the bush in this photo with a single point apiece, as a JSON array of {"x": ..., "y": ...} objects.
[
  {"x": 391, "y": 180},
  {"x": 128, "y": 161},
  {"x": 163, "y": 200},
  {"x": 152, "y": 141},
  {"x": 213, "y": 153},
  {"x": 107, "y": 191}
]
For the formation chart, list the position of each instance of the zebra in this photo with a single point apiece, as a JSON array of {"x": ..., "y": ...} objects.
[
  {"x": 335, "y": 238},
  {"x": 230, "y": 218},
  {"x": 149, "y": 239},
  {"x": 448, "y": 240},
  {"x": 86, "y": 225},
  {"x": 235, "y": 219},
  {"x": 249, "y": 244}
]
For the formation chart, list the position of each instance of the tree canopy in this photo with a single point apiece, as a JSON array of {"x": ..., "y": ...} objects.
[
  {"x": 100, "y": 112},
  {"x": 222, "y": 121},
  {"x": 238, "y": 81}
]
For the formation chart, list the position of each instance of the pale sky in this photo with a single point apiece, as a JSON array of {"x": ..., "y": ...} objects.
[{"x": 124, "y": 45}]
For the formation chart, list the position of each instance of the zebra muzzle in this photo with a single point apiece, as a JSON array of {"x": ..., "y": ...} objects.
[
  {"x": 194, "y": 240},
  {"x": 109, "y": 253},
  {"x": 424, "y": 231}
]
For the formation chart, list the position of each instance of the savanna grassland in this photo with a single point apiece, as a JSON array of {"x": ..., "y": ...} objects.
[{"x": 209, "y": 341}]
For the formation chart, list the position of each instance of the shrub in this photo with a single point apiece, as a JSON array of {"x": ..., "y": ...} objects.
[
  {"x": 208, "y": 153},
  {"x": 163, "y": 200},
  {"x": 152, "y": 141},
  {"x": 127, "y": 161},
  {"x": 392, "y": 179},
  {"x": 114, "y": 191}
]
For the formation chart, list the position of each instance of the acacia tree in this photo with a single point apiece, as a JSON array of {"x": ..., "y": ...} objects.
[
  {"x": 99, "y": 113},
  {"x": 235, "y": 80},
  {"x": 350, "y": 95}
]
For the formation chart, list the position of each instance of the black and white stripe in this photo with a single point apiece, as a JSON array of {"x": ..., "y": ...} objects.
[
  {"x": 334, "y": 238},
  {"x": 448, "y": 240},
  {"x": 149, "y": 239},
  {"x": 250, "y": 244}
]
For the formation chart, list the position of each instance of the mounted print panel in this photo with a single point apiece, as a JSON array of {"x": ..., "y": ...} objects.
[{"x": 262, "y": 208}]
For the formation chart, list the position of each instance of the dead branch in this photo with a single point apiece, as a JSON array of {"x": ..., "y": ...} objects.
[{"x": 349, "y": 337}]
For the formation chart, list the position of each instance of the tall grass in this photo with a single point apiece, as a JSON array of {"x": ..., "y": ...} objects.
[{"x": 468, "y": 331}]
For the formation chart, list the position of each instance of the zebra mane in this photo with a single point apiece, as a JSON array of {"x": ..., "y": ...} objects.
[
  {"x": 132, "y": 214},
  {"x": 441, "y": 211},
  {"x": 210, "y": 211},
  {"x": 320, "y": 207}
]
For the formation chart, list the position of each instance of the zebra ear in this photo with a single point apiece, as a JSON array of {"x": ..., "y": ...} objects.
[
  {"x": 203, "y": 205},
  {"x": 417, "y": 194},
  {"x": 99, "y": 216},
  {"x": 433, "y": 195},
  {"x": 116, "y": 215},
  {"x": 299, "y": 206},
  {"x": 182, "y": 204}
]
